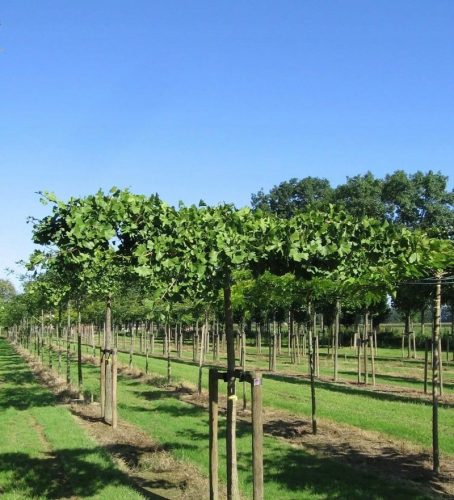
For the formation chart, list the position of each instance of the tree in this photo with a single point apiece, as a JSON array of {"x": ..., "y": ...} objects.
[
  {"x": 361, "y": 196},
  {"x": 420, "y": 201},
  {"x": 7, "y": 290},
  {"x": 85, "y": 238},
  {"x": 293, "y": 196}
]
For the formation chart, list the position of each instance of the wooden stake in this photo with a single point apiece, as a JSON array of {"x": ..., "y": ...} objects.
[
  {"x": 435, "y": 375},
  {"x": 213, "y": 432},
  {"x": 257, "y": 435}
]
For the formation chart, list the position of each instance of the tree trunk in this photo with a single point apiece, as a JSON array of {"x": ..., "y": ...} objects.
[
  {"x": 79, "y": 352},
  {"x": 336, "y": 338},
  {"x": 233, "y": 492},
  {"x": 435, "y": 374},
  {"x": 202, "y": 355},
  {"x": 311, "y": 371},
  {"x": 68, "y": 346}
]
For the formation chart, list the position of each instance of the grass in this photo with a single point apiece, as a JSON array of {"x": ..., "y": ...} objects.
[
  {"x": 182, "y": 429},
  {"x": 290, "y": 471},
  {"x": 43, "y": 451},
  {"x": 402, "y": 418}
]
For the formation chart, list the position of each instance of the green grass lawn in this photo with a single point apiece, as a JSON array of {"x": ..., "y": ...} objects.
[
  {"x": 290, "y": 472},
  {"x": 43, "y": 451},
  {"x": 400, "y": 417},
  {"x": 182, "y": 428},
  {"x": 391, "y": 368}
]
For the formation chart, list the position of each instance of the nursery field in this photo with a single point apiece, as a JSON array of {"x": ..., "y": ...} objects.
[
  {"x": 211, "y": 352},
  {"x": 387, "y": 428},
  {"x": 43, "y": 452}
]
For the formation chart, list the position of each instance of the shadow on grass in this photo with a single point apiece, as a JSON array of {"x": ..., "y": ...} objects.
[
  {"x": 299, "y": 471},
  {"x": 355, "y": 390},
  {"x": 61, "y": 474},
  {"x": 19, "y": 388}
]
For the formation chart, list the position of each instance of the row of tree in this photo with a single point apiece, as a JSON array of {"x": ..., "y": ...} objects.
[{"x": 103, "y": 245}]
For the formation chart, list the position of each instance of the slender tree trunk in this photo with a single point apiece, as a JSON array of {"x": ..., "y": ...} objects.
[
  {"x": 79, "y": 352},
  {"x": 336, "y": 338},
  {"x": 169, "y": 343},
  {"x": 311, "y": 371},
  {"x": 426, "y": 363},
  {"x": 68, "y": 346},
  {"x": 233, "y": 492},
  {"x": 202, "y": 354},
  {"x": 243, "y": 365},
  {"x": 110, "y": 398},
  {"x": 435, "y": 374}
]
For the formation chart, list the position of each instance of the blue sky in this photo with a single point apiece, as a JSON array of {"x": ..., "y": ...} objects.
[{"x": 216, "y": 99}]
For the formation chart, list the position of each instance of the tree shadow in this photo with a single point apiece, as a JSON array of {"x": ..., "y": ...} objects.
[
  {"x": 64, "y": 473},
  {"x": 354, "y": 390},
  {"x": 301, "y": 472}
]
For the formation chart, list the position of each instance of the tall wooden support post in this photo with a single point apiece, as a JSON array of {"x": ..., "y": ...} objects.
[
  {"x": 79, "y": 353},
  {"x": 102, "y": 380},
  {"x": 336, "y": 338},
  {"x": 435, "y": 374},
  {"x": 359, "y": 344},
  {"x": 233, "y": 492},
  {"x": 42, "y": 335},
  {"x": 372, "y": 357},
  {"x": 426, "y": 363},
  {"x": 109, "y": 372},
  {"x": 257, "y": 435},
  {"x": 311, "y": 349},
  {"x": 213, "y": 432},
  {"x": 68, "y": 346},
  {"x": 440, "y": 363},
  {"x": 114, "y": 388},
  {"x": 365, "y": 344}
]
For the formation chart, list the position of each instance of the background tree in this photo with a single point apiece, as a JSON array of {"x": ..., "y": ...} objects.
[{"x": 293, "y": 196}]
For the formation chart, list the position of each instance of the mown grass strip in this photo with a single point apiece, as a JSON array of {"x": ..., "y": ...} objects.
[
  {"x": 290, "y": 471},
  {"x": 43, "y": 451}
]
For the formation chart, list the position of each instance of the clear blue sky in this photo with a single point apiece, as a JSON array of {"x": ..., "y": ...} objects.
[{"x": 213, "y": 100}]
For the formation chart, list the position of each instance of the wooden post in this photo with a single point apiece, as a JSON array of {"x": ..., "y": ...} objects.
[
  {"x": 131, "y": 348},
  {"x": 169, "y": 366},
  {"x": 375, "y": 342},
  {"x": 68, "y": 346},
  {"x": 79, "y": 352},
  {"x": 426, "y": 364},
  {"x": 257, "y": 435},
  {"x": 365, "y": 342},
  {"x": 103, "y": 381},
  {"x": 114, "y": 389},
  {"x": 435, "y": 374},
  {"x": 358, "y": 343},
  {"x": 313, "y": 401},
  {"x": 336, "y": 337},
  {"x": 243, "y": 364},
  {"x": 233, "y": 492},
  {"x": 213, "y": 432},
  {"x": 107, "y": 371},
  {"x": 440, "y": 352},
  {"x": 372, "y": 358},
  {"x": 201, "y": 357}
]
